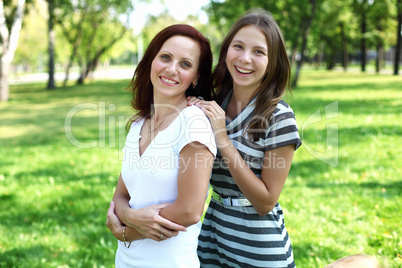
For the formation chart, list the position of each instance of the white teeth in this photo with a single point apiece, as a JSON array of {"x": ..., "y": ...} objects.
[
  {"x": 168, "y": 81},
  {"x": 243, "y": 71}
]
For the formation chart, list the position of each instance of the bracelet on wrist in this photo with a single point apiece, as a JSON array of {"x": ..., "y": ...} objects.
[{"x": 124, "y": 238}]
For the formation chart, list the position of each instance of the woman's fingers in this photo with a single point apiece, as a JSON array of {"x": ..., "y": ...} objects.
[
  {"x": 211, "y": 106},
  {"x": 111, "y": 216},
  {"x": 171, "y": 226},
  {"x": 165, "y": 222},
  {"x": 191, "y": 100}
]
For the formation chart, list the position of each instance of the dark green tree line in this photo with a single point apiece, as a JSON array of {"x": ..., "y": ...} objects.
[{"x": 323, "y": 31}]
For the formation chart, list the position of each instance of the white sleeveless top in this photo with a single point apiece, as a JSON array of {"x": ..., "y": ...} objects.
[{"x": 152, "y": 179}]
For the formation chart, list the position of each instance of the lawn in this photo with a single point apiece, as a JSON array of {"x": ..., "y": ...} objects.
[{"x": 60, "y": 155}]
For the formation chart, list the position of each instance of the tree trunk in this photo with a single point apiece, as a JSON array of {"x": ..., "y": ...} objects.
[
  {"x": 345, "y": 61},
  {"x": 293, "y": 57},
  {"x": 399, "y": 41},
  {"x": 9, "y": 40},
  {"x": 379, "y": 59},
  {"x": 67, "y": 74},
  {"x": 4, "y": 88},
  {"x": 51, "y": 84},
  {"x": 363, "y": 42},
  {"x": 320, "y": 57},
  {"x": 304, "y": 43},
  {"x": 70, "y": 62},
  {"x": 80, "y": 80}
]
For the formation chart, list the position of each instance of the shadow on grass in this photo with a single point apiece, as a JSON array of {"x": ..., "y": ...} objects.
[
  {"x": 7, "y": 197},
  {"x": 317, "y": 138},
  {"x": 70, "y": 222},
  {"x": 393, "y": 189},
  {"x": 29, "y": 92},
  {"x": 383, "y": 106},
  {"x": 60, "y": 172},
  {"x": 21, "y": 255},
  {"x": 47, "y": 124},
  {"x": 353, "y": 84}
]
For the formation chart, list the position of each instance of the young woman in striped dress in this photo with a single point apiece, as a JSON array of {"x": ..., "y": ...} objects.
[{"x": 256, "y": 135}]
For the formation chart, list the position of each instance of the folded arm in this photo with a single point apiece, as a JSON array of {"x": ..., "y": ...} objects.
[
  {"x": 168, "y": 219},
  {"x": 145, "y": 222}
]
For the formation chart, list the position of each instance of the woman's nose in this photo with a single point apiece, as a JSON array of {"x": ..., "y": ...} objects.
[
  {"x": 171, "y": 69},
  {"x": 245, "y": 57}
]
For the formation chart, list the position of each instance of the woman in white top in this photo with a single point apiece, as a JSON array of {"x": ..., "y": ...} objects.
[{"x": 168, "y": 155}]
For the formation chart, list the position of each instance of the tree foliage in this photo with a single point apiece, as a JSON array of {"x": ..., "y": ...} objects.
[
  {"x": 91, "y": 27},
  {"x": 31, "y": 49},
  {"x": 339, "y": 30},
  {"x": 325, "y": 32}
]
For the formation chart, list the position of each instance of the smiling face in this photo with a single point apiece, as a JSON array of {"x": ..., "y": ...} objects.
[
  {"x": 175, "y": 67},
  {"x": 247, "y": 58}
]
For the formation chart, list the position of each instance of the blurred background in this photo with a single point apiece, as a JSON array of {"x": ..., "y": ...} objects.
[
  {"x": 65, "y": 66},
  {"x": 76, "y": 40}
]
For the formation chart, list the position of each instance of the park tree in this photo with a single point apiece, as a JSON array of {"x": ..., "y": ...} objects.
[
  {"x": 51, "y": 43},
  {"x": 398, "y": 36},
  {"x": 70, "y": 18},
  {"x": 306, "y": 20},
  {"x": 380, "y": 18},
  {"x": 103, "y": 34},
  {"x": 333, "y": 44},
  {"x": 31, "y": 51},
  {"x": 361, "y": 8},
  {"x": 91, "y": 27},
  {"x": 10, "y": 26}
]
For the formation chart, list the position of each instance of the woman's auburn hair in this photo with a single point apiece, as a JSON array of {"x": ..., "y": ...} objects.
[
  {"x": 277, "y": 75},
  {"x": 141, "y": 85}
]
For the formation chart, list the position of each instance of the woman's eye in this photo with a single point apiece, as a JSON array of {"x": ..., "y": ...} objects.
[
  {"x": 165, "y": 57},
  {"x": 237, "y": 46},
  {"x": 186, "y": 64},
  {"x": 259, "y": 52}
]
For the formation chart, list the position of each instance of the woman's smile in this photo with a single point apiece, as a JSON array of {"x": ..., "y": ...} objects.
[
  {"x": 168, "y": 81},
  {"x": 243, "y": 70}
]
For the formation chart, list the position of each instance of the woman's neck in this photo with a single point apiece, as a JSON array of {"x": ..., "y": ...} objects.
[
  {"x": 240, "y": 98},
  {"x": 165, "y": 107}
]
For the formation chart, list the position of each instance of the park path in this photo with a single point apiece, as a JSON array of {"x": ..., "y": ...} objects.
[{"x": 100, "y": 74}]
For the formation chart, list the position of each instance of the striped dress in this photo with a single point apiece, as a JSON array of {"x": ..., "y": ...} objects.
[{"x": 238, "y": 236}]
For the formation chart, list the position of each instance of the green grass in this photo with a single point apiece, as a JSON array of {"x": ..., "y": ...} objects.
[
  {"x": 346, "y": 199},
  {"x": 342, "y": 199}
]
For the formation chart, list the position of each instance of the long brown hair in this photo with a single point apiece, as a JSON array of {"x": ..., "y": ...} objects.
[
  {"x": 141, "y": 86},
  {"x": 277, "y": 75}
]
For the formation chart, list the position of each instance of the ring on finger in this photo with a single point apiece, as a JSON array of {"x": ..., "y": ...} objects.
[{"x": 161, "y": 236}]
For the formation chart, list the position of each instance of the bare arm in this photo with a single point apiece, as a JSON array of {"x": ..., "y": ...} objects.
[
  {"x": 193, "y": 180},
  {"x": 262, "y": 193}
]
